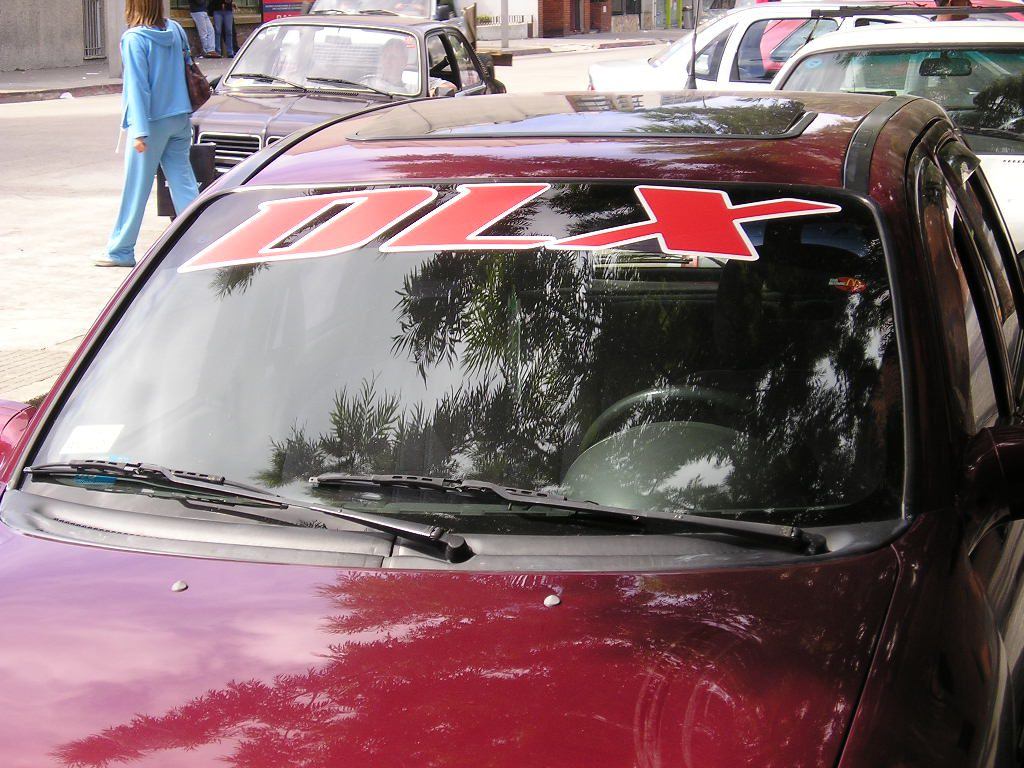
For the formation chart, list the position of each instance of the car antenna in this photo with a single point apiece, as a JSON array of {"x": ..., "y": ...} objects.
[{"x": 691, "y": 75}]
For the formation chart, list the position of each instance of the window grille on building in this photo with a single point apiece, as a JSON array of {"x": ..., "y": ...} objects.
[{"x": 92, "y": 18}]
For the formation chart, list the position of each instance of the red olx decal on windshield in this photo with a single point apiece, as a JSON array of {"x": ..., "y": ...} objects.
[
  {"x": 456, "y": 225},
  {"x": 697, "y": 222}
]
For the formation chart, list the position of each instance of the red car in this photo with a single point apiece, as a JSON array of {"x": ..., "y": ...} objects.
[{"x": 561, "y": 430}]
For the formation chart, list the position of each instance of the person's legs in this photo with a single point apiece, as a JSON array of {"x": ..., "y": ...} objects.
[
  {"x": 218, "y": 32},
  {"x": 229, "y": 32},
  {"x": 204, "y": 28},
  {"x": 177, "y": 165},
  {"x": 139, "y": 173}
]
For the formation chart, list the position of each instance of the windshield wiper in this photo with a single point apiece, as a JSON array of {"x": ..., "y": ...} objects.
[
  {"x": 267, "y": 78},
  {"x": 340, "y": 81},
  {"x": 377, "y": 12},
  {"x": 787, "y": 535},
  {"x": 998, "y": 133},
  {"x": 452, "y": 545}
]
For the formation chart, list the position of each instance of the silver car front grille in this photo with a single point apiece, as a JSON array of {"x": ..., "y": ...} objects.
[{"x": 232, "y": 148}]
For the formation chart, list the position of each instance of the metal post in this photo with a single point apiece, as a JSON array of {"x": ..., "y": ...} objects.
[
  {"x": 114, "y": 28},
  {"x": 504, "y": 24}
]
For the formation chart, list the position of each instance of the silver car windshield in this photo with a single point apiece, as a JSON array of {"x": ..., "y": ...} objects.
[
  {"x": 329, "y": 57},
  {"x": 982, "y": 89}
]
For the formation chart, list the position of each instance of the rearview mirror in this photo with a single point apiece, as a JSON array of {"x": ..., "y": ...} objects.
[{"x": 945, "y": 66}]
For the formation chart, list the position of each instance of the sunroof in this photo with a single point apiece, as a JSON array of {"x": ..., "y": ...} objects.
[{"x": 590, "y": 114}]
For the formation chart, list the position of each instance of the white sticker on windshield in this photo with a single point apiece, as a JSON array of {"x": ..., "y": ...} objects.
[{"x": 91, "y": 440}]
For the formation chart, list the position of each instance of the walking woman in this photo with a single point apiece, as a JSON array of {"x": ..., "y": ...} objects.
[{"x": 156, "y": 118}]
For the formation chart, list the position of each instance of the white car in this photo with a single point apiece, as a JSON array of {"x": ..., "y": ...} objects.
[
  {"x": 974, "y": 70},
  {"x": 742, "y": 50}
]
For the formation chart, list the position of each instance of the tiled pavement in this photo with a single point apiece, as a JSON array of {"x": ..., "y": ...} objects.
[{"x": 26, "y": 374}]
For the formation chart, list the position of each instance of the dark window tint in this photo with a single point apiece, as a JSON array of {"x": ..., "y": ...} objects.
[
  {"x": 949, "y": 243},
  {"x": 997, "y": 266}
]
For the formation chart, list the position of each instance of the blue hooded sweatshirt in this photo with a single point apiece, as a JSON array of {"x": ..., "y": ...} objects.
[{"x": 154, "y": 76}]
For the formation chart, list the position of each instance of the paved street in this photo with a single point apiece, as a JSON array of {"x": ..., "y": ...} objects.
[{"x": 60, "y": 182}]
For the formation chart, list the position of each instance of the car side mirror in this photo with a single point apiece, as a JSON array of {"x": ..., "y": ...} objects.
[
  {"x": 995, "y": 470},
  {"x": 443, "y": 89},
  {"x": 443, "y": 12},
  {"x": 14, "y": 422},
  {"x": 215, "y": 81}
]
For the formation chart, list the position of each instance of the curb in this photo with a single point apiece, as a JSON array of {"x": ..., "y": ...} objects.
[
  {"x": 503, "y": 58},
  {"x": 16, "y": 97}
]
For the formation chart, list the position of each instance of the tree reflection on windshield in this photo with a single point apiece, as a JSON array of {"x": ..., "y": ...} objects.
[{"x": 753, "y": 385}]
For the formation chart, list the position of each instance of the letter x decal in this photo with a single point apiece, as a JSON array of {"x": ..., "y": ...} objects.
[{"x": 695, "y": 222}]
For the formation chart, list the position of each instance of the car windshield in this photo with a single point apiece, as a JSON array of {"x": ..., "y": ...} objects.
[
  {"x": 982, "y": 89},
  {"x": 329, "y": 57},
  {"x": 419, "y": 8},
  {"x": 761, "y": 382}
]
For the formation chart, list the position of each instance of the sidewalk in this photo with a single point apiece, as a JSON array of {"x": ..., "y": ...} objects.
[{"x": 92, "y": 79}]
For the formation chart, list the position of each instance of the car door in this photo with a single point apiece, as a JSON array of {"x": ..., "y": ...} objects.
[
  {"x": 472, "y": 79},
  {"x": 989, "y": 284}
]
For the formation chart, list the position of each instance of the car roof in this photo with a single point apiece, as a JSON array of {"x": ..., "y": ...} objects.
[
  {"x": 398, "y": 23},
  {"x": 802, "y": 9},
  {"x": 939, "y": 33},
  {"x": 694, "y": 135}
]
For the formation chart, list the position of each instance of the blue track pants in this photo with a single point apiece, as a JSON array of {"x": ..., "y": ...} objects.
[{"x": 167, "y": 146}]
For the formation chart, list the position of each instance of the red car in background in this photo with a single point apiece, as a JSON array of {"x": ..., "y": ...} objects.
[{"x": 569, "y": 430}]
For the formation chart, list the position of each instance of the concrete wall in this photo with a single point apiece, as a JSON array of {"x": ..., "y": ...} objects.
[
  {"x": 35, "y": 35},
  {"x": 492, "y": 8}
]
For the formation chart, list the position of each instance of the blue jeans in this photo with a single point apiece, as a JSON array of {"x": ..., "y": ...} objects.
[
  {"x": 204, "y": 28},
  {"x": 224, "y": 37},
  {"x": 167, "y": 146}
]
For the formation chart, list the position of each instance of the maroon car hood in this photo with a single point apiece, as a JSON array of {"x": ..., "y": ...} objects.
[{"x": 273, "y": 666}]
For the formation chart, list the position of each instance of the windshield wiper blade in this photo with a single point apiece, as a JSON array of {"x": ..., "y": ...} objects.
[
  {"x": 786, "y": 535},
  {"x": 267, "y": 78},
  {"x": 999, "y": 133},
  {"x": 377, "y": 12},
  {"x": 452, "y": 545},
  {"x": 361, "y": 86}
]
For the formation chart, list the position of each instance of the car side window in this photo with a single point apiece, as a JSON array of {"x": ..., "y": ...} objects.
[
  {"x": 439, "y": 64},
  {"x": 468, "y": 73},
  {"x": 767, "y": 44},
  {"x": 709, "y": 58},
  {"x": 948, "y": 242},
  {"x": 997, "y": 266}
]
